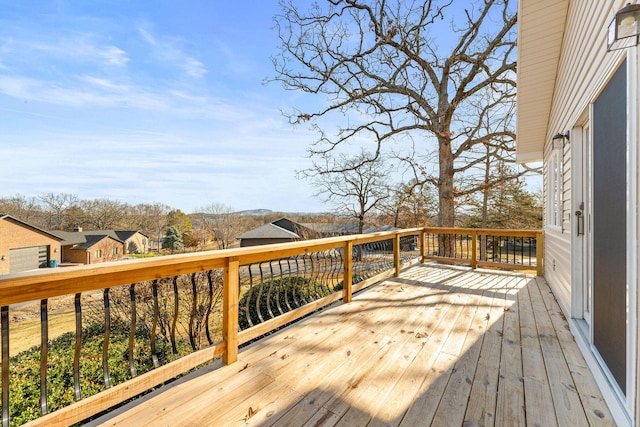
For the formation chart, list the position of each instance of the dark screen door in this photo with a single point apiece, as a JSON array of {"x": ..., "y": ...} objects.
[{"x": 609, "y": 225}]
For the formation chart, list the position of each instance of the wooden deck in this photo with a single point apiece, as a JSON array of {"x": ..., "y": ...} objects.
[{"x": 441, "y": 346}]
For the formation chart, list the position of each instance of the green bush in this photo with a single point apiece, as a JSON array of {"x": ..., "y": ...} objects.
[{"x": 25, "y": 368}]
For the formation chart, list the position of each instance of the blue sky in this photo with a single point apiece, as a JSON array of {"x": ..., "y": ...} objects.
[{"x": 148, "y": 101}]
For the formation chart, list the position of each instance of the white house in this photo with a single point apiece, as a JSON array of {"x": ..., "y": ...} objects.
[{"x": 573, "y": 85}]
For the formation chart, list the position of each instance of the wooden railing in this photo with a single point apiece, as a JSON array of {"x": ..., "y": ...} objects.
[
  {"x": 139, "y": 324},
  {"x": 512, "y": 249}
]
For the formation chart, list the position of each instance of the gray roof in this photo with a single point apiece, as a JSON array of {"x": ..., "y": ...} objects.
[
  {"x": 70, "y": 237},
  {"x": 269, "y": 231},
  {"x": 89, "y": 238},
  {"x": 273, "y": 230},
  {"x": 92, "y": 240},
  {"x": 121, "y": 235}
]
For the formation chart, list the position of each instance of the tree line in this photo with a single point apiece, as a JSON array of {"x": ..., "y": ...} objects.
[{"x": 359, "y": 198}]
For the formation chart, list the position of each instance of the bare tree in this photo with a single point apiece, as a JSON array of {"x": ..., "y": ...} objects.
[
  {"x": 410, "y": 205},
  {"x": 22, "y": 207},
  {"x": 56, "y": 207},
  {"x": 222, "y": 223},
  {"x": 402, "y": 74},
  {"x": 151, "y": 219},
  {"x": 355, "y": 185},
  {"x": 103, "y": 214}
]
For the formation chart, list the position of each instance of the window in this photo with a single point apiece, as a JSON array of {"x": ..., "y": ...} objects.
[
  {"x": 98, "y": 253},
  {"x": 114, "y": 251},
  {"x": 554, "y": 190}
]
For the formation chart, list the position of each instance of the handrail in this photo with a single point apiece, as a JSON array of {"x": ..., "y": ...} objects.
[
  {"x": 48, "y": 283},
  {"x": 535, "y": 236},
  {"x": 349, "y": 250}
]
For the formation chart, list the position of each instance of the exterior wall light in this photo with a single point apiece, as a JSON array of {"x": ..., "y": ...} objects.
[
  {"x": 3, "y": 257},
  {"x": 559, "y": 140},
  {"x": 624, "y": 30}
]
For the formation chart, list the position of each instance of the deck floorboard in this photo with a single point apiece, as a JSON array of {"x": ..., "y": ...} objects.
[{"x": 439, "y": 345}]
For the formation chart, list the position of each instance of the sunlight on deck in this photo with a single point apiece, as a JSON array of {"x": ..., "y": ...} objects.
[{"x": 436, "y": 346}]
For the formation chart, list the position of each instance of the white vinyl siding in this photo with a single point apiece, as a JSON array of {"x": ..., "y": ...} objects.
[
  {"x": 554, "y": 190},
  {"x": 584, "y": 67}
]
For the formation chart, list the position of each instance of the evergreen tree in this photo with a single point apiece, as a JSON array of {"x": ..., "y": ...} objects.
[{"x": 173, "y": 240}]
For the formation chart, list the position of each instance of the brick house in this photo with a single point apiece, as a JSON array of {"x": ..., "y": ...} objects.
[
  {"x": 88, "y": 248},
  {"x": 25, "y": 247},
  {"x": 134, "y": 242}
]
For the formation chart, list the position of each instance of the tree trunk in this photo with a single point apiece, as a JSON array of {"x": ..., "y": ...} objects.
[
  {"x": 446, "y": 200},
  {"x": 358, "y": 255},
  {"x": 485, "y": 204}
]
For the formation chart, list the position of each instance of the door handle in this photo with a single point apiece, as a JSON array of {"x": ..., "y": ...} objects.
[{"x": 579, "y": 223}]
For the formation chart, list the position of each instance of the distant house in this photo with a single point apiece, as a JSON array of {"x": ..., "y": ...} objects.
[
  {"x": 95, "y": 246},
  {"x": 25, "y": 247},
  {"x": 135, "y": 242},
  {"x": 279, "y": 231},
  {"x": 285, "y": 230}
]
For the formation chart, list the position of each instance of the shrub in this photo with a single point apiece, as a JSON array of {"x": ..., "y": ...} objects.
[{"x": 25, "y": 368}]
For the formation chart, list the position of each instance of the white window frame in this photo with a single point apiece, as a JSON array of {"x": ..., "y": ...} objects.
[{"x": 554, "y": 190}]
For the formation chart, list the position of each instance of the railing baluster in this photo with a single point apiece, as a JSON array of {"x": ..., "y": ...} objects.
[
  {"x": 4, "y": 327},
  {"x": 322, "y": 273},
  {"x": 287, "y": 284},
  {"x": 154, "y": 327},
  {"x": 44, "y": 354},
  {"x": 209, "y": 307},
  {"x": 194, "y": 308},
  {"x": 277, "y": 288},
  {"x": 77, "y": 347},
  {"x": 474, "y": 249},
  {"x": 247, "y": 307},
  {"x": 107, "y": 335},
  {"x": 260, "y": 291},
  {"x": 396, "y": 256},
  {"x": 294, "y": 286},
  {"x": 335, "y": 268},
  {"x": 132, "y": 331},
  {"x": 174, "y": 321},
  {"x": 314, "y": 273}
]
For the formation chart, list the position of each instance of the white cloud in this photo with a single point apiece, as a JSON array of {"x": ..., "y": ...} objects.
[
  {"x": 81, "y": 47},
  {"x": 167, "y": 50},
  {"x": 146, "y": 35}
]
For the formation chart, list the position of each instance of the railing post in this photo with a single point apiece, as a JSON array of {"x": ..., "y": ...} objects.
[
  {"x": 539, "y": 253},
  {"x": 347, "y": 281},
  {"x": 474, "y": 248},
  {"x": 423, "y": 241},
  {"x": 230, "y": 310},
  {"x": 396, "y": 255}
]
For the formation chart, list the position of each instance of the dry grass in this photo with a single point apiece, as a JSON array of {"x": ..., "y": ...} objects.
[{"x": 24, "y": 325}]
